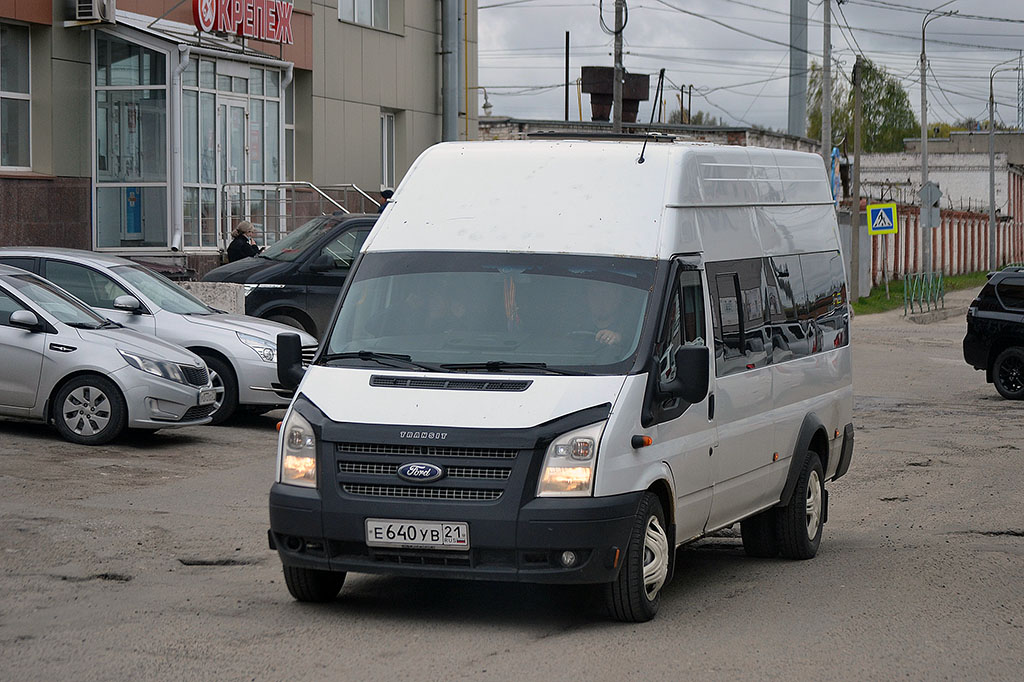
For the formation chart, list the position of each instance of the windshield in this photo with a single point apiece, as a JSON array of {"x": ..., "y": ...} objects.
[
  {"x": 289, "y": 248},
  {"x": 496, "y": 310},
  {"x": 57, "y": 302},
  {"x": 164, "y": 293}
]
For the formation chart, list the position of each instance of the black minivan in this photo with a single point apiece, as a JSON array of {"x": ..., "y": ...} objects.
[
  {"x": 995, "y": 332},
  {"x": 297, "y": 280}
]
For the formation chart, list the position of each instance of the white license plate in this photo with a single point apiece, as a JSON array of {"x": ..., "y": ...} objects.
[
  {"x": 207, "y": 396},
  {"x": 417, "y": 534}
]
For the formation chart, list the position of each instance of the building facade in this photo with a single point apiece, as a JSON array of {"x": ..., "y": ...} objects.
[{"x": 148, "y": 128}]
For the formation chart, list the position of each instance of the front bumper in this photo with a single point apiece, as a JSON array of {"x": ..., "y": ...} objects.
[
  {"x": 255, "y": 378},
  {"x": 525, "y": 546},
  {"x": 155, "y": 403}
]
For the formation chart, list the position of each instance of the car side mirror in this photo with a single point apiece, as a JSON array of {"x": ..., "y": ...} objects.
[
  {"x": 691, "y": 382},
  {"x": 289, "y": 360},
  {"x": 322, "y": 263},
  {"x": 128, "y": 304},
  {"x": 25, "y": 319}
]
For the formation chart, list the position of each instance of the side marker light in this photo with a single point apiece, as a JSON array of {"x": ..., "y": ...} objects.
[{"x": 641, "y": 442}]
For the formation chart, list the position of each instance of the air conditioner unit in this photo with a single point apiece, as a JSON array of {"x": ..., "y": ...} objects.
[{"x": 95, "y": 10}]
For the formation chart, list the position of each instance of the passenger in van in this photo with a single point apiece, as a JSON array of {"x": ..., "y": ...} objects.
[{"x": 605, "y": 306}]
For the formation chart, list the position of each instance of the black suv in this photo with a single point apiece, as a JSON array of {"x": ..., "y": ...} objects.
[
  {"x": 297, "y": 280},
  {"x": 995, "y": 332}
]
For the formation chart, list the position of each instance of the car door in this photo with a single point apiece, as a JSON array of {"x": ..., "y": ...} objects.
[
  {"x": 22, "y": 352},
  {"x": 326, "y": 268},
  {"x": 99, "y": 290}
]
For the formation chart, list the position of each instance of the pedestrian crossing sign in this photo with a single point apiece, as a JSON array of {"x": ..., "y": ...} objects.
[{"x": 882, "y": 219}]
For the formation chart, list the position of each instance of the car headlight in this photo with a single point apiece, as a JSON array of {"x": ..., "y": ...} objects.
[
  {"x": 569, "y": 463},
  {"x": 167, "y": 370},
  {"x": 297, "y": 445},
  {"x": 267, "y": 350}
]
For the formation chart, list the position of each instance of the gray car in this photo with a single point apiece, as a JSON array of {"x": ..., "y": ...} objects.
[
  {"x": 241, "y": 351},
  {"x": 88, "y": 376}
]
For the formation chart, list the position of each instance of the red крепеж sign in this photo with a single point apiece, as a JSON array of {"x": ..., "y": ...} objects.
[{"x": 268, "y": 20}]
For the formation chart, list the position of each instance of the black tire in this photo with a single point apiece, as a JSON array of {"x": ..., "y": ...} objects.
[
  {"x": 89, "y": 410},
  {"x": 799, "y": 523},
  {"x": 1008, "y": 373},
  {"x": 760, "y": 537},
  {"x": 226, "y": 385},
  {"x": 311, "y": 585},
  {"x": 291, "y": 322},
  {"x": 633, "y": 597}
]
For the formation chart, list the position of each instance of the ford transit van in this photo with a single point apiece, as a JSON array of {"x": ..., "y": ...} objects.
[{"x": 559, "y": 361}]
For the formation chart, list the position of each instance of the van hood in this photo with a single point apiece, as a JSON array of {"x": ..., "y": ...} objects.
[
  {"x": 246, "y": 324},
  {"x": 345, "y": 395},
  {"x": 142, "y": 344}
]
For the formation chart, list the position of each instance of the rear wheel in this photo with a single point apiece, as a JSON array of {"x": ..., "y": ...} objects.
[
  {"x": 311, "y": 585},
  {"x": 799, "y": 522},
  {"x": 635, "y": 594},
  {"x": 226, "y": 387},
  {"x": 760, "y": 538},
  {"x": 1008, "y": 373},
  {"x": 89, "y": 410}
]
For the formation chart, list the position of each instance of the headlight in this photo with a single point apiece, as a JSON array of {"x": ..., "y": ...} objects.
[
  {"x": 267, "y": 350},
  {"x": 167, "y": 370},
  {"x": 569, "y": 463},
  {"x": 298, "y": 451}
]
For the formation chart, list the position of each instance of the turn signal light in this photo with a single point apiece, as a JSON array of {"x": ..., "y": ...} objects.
[
  {"x": 641, "y": 442},
  {"x": 279, "y": 425}
]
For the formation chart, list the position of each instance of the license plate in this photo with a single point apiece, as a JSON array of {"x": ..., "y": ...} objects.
[
  {"x": 207, "y": 396},
  {"x": 417, "y": 534}
]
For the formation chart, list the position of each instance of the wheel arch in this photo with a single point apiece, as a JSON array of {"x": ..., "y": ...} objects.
[
  {"x": 309, "y": 326},
  {"x": 110, "y": 376},
  {"x": 813, "y": 437},
  {"x": 203, "y": 351}
]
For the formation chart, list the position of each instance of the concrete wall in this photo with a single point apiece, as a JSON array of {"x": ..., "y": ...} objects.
[
  {"x": 220, "y": 295},
  {"x": 966, "y": 142}
]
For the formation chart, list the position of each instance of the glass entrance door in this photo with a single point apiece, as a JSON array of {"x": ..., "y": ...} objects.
[{"x": 232, "y": 155}]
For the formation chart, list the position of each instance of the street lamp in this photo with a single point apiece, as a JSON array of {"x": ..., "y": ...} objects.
[
  {"x": 928, "y": 18},
  {"x": 992, "y": 160}
]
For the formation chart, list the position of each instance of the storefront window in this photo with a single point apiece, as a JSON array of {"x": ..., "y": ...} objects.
[{"x": 15, "y": 97}]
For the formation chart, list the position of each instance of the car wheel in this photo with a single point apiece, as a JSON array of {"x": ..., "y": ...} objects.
[
  {"x": 309, "y": 584},
  {"x": 635, "y": 594},
  {"x": 291, "y": 322},
  {"x": 226, "y": 387},
  {"x": 799, "y": 523},
  {"x": 89, "y": 410},
  {"x": 1008, "y": 373},
  {"x": 760, "y": 538}
]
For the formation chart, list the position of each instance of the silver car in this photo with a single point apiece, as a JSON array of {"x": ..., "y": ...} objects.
[
  {"x": 90, "y": 377},
  {"x": 241, "y": 351}
]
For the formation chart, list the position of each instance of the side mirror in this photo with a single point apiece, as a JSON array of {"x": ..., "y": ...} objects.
[
  {"x": 322, "y": 263},
  {"x": 289, "y": 360},
  {"x": 691, "y": 382},
  {"x": 25, "y": 319},
  {"x": 128, "y": 304}
]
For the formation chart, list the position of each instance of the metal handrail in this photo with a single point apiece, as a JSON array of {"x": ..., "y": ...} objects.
[
  {"x": 347, "y": 186},
  {"x": 285, "y": 184},
  {"x": 923, "y": 291}
]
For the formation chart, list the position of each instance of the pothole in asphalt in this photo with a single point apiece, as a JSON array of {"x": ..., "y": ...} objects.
[
  {"x": 1013, "y": 533},
  {"x": 901, "y": 498},
  {"x": 921, "y": 463},
  {"x": 197, "y": 561},
  {"x": 112, "y": 577}
]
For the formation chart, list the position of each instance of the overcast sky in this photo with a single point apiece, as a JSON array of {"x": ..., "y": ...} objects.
[{"x": 725, "y": 49}]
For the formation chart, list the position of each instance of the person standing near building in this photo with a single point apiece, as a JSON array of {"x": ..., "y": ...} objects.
[
  {"x": 386, "y": 195},
  {"x": 243, "y": 242}
]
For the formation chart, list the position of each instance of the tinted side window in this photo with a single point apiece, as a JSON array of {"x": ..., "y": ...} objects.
[
  {"x": 826, "y": 300},
  {"x": 19, "y": 262},
  {"x": 7, "y": 306},
  {"x": 684, "y": 324},
  {"x": 1011, "y": 292},
  {"x": 740, "y": 309},
  {"x": 345, "y": 248},
  {"x": 787, "y": 307},
  {"x": 95, "y": 289}
]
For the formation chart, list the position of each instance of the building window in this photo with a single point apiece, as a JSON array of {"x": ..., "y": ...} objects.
[
  {"x": 15, "y": 98},
  {"x": 387, "y": 150},
  {"x": 366, "y": 12},
  {"x": 131, "y": 144}
]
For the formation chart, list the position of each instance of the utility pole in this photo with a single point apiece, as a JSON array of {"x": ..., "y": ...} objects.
[
  {"x": 826, "y": 89},
  {"x": 797, "y": 68},
  {"x": 566, "y": 76},
  {"x": 855, "y": 207},
  {"x": 617, "y": 85}
]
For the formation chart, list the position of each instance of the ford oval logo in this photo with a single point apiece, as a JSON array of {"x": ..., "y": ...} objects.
[{"x": 420, "y": 472}]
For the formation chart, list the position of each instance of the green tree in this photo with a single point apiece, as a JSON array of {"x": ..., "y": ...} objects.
[
  {"x": 699, "y": 118},
  {"x": 887, "y": 118}
]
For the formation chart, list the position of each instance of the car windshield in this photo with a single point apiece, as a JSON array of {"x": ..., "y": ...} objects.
[
  {"x": 289, "y": 248},
  {"x": 496, "y": 312},
  {"x": 161, "y": 291},
  {"x": 57, "y": 302}
]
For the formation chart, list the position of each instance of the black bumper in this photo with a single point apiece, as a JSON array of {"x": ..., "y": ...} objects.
[
  {"x": 975, "y": 351},
  {"x": 525, "y": 547}
]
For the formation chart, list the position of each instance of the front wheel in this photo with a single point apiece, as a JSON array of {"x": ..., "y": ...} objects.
[
  {"x": 89, "y": 410},
  {"x": 225, "y": 386},
  {"x": 799, "y": 523},
  {"x": 1008, "y": 373},
  {"x": 635, "y": 594},
  {"x": 311, "y": 585}
]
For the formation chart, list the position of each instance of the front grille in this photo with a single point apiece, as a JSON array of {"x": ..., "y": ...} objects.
[
  {"x": 307, "y": 354},
  {"x": 449, "y": 384},
  {"x": 459, "y": 494},
  {"x": 198, "y": 412},
  {"x": 197, "y": 376},
  {"x": 426, "y": 451},
  {"x": 374, "y": 469}
]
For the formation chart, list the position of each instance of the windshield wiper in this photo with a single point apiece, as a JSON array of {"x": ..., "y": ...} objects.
[
  {"x": 84, "y": 325},
  {"x": 386, "y": 359},
  {"x": 501, "y": 366},
  {"x": 110, "y": 324}
]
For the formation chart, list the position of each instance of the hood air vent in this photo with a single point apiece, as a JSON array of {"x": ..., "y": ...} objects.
[{"x": 450, "y": 384}]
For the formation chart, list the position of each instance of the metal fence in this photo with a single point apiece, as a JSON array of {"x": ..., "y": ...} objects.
[{"x": 923, "y": 291}]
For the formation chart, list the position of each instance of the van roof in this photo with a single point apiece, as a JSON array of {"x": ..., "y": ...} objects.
[{"x": 578, "y": 196}]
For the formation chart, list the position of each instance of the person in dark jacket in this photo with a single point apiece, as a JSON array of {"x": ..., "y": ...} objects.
[
  {"x": 386, "y": 195},
  {"x": 243, "y": 243}
]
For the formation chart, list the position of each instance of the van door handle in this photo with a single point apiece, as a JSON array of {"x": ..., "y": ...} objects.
[{"x": 711, "y": 407}]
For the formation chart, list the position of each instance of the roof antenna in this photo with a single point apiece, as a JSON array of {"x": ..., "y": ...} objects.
[{"x": 657, "y": 107}]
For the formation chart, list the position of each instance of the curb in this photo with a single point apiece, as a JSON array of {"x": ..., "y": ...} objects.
[{"x": 937, "y": 315}]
